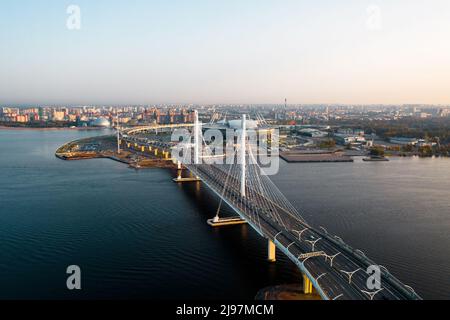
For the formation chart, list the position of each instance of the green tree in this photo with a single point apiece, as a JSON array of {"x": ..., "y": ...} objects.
[{"x": 408, "y": 148}]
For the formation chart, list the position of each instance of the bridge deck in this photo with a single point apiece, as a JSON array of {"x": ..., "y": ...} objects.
[{"x": 281, "y": 227}]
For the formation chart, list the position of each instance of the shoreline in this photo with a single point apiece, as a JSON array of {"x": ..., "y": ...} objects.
[
  {"x": 285, "y": 292},
  {"x": 4, "y": 128},
  {"x": 319, "y": 156}
]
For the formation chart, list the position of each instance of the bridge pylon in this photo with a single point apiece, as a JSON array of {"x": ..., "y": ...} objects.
[
  {"x": 243, "y": 158},
  {"x": 197, "y": 138},
  {"x": 118, "y": 133}
]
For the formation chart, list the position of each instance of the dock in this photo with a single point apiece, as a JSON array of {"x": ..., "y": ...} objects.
[
  {"x": 308, "y": 157},
  {"x": 375, "y": 159},
  {"x": 221, "y": 222}
]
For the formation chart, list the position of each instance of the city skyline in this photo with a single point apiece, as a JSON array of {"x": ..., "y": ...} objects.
[{"x": 368, "y": 52}]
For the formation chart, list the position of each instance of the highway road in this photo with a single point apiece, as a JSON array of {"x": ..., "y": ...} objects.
[{"x": 279, "y": 224}]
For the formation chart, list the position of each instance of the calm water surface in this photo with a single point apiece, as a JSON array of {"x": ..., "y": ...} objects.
[{"x": 136, "y": 234}]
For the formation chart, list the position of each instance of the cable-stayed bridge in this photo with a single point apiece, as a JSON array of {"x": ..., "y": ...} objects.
[{"x": 329, "y": 266}]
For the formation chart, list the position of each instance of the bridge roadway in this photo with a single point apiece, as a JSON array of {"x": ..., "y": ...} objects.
[
  {"x": 283, "y": 229},
  {"x": 134, "y": 130},
  {"x": 330, "y": 278}
]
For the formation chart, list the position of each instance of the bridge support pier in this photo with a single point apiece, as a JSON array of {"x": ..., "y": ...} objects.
[
  {"x": 307, "y": 285},
  {"x": 179, "y": 179},
  {"x": 179, "y": 170},
  {"x": 217, "y": 222},
  {"x": 271, "y": 252}
]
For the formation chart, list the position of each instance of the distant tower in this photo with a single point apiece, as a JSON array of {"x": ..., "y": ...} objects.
[{"x": 285, "y": 108}]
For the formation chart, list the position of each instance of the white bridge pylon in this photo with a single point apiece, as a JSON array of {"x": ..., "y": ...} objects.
[
  {"x": 197, "y": 138},
  {"x": 243, "y": 154},
  {"x": 198, "y": 154}
]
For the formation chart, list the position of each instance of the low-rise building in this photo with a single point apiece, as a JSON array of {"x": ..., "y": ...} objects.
[
  {"x": 345, "y": 139},
  {"x": 423, "y": 143},
  {"x": 313, "y": 133},
  {"x": 58, "y": 115},
  {"x": 404, "y": 141}
]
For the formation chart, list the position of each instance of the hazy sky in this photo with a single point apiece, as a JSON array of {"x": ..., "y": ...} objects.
[{"x": 225, "y": 51}]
